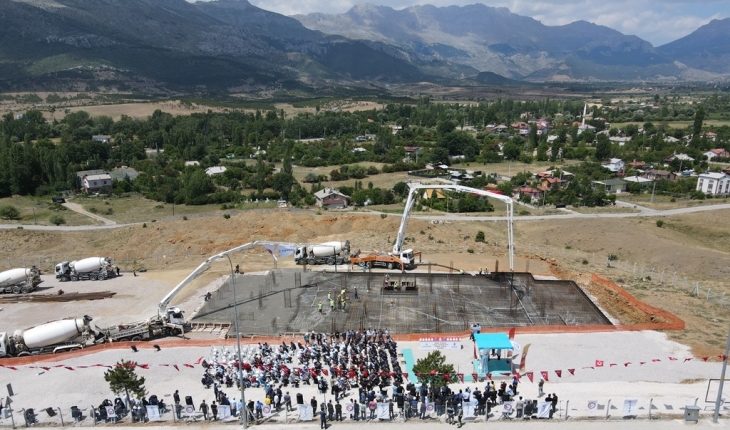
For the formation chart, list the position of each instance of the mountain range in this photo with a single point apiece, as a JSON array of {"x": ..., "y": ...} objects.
[
  {"x": 496, "y": 40},
  {"x": 231, "y": 45}
]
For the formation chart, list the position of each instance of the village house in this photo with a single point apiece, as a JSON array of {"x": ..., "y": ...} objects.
[
  {"x": 101, "y": 138},
  {"x": 524, "y": 190},
  {"x": 330, "y": 198},
  {"x": 713, "y": 183},
  {"x": 615, "y": 165},
  {"x": 97, "y": 183},
  {"x": 719, "y": 152},
  {"x": 215, "y": 170},
  {"x": 656, "y": 175},
  {"x": 680, "y": 157},
  {"x": 610, "y": 186},
  {"x": 711, "y": 136},
  {"x": 430, "y": 193}
]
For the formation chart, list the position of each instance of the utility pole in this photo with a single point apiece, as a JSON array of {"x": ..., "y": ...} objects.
[
  {"x": 652, "y": 192},
  {"x": 718, "y": 401}
]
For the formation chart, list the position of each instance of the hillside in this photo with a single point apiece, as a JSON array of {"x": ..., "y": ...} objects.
[
  {"x": 496, "y": 40},
  {"x": 707, "y": 48}
]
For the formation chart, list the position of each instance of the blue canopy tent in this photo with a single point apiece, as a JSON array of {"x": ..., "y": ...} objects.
[{"x": 495, "y": 354}]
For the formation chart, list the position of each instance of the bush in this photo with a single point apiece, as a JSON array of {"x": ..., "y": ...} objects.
[
  {"x": 109, "y": 211},
  {"x": 479, "y": 237},
  {"x": 383, "y": 216},
  {"x": 227, "y": 216},
  {"x": 185, "y": 218},
  {"x": 93, "y": 210},
  {"x": 470, "y": 251},
  {"x": 612, "y": 257},
  {"x": 144, "y": 225},
  {"x": 159, "y": 207},
  {"x": 585, "y": 261},
  {"x": 9, "y": 212},
  {"x": 660, "y": 223},
  {"x": 57, "y": 219}
]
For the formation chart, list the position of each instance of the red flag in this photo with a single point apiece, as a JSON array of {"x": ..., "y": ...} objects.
[
  {"x": 82, "y": 367},
  {"x": 530, "y": 375},
  {"x": 599, "y": 363},
  {"x": 475, "y": 377},
  {"x": 544, "y": 375},
  {"x": 326, "y": 373},
  {"x": 590, "y": 367},
  {"x": 511, "y": 334},
  {"x": 339, "y": 372},
  {"x": 44, "y": 368},
  {"x": 687, "y": 359},
  {"x": 97, "y": 365},
  {"x": 12, "y": 368},
  {"x": 612, "y": 364},
  {"x": 166, "y": 365},
  {"x": 641, "y": 363},
  {"x": 199, "y": 360},
  {"x": 655, "y": 360},
  {"x": 176, "y": 368},
  {"x": 461, "y": 377},
  {"x": 672, "y": 359},
  {"x": 447, "y": 377},
  {"x": 516, "y": 375},
  {"x": 69, "y": 367},
  {"x": 559, "y": 373},
  {"x": 405, "y": 375},
  {"x": 189, "y": 365},
  {"x": 505, "y": 373},
  {"x": 144, "y": 366},
  {"x": 433, "y": 372},
  {"x": 391, "y": 374},
  {"x": 418, "y": 374},
  {"x": 59, "y": 365},
  {"x": 572, "y": 371},
  {"x": 722, "y": 357},
  {"x": 627, "y": 364},
  {"x": 704, "y": 358},
  {"x": 489, "y": 376}
]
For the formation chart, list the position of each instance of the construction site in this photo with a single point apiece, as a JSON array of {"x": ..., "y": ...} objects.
[{"x": 287, "y": 301}]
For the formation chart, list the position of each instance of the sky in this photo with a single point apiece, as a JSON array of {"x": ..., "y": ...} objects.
[{"x": 657, "y": 21}]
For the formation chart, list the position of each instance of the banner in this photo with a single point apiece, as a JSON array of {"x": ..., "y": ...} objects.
[
  {"x": 110, "y": 413},
  {"x": 599, "y": 363},
  {"x": 543, "y": 409},
  {"x": 224, "y": 412},
  {"x": 544, "y": 375},
  {"x": 153, "y": 413},
  {"x": 469, "y": 408},
  {"x": 350, "y": 408},
  {"x": 523, "y": 360},
  {"x": 592, "y": 406},
  {"x": 430, "y": 408},
  {"x": 507, "y": 408},
  {"x": 305, "y": 412},
  {"x": 438, "y": 343},
  {"x": 189, "y": 411},
  {"x": 271, "y": 249},
  {"x": 382, "y": 412},
  {"x": 266, "y": 411},
  {"x": 286, "y": 250},
  {"x": 631, "y": 407}
]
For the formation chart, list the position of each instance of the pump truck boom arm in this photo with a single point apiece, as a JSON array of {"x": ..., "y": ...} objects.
[
  {"x": 162, "y": 307},
  {"x": 414, "y": 192}
]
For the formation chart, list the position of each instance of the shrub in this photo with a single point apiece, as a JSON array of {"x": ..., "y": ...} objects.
[
  {"x": 159, "y": 207},
  {"x": 524, "y": 212},
  {"x": 144, "y": 225},
  {"x": 185, "y": 218},
  {"x": 430, "y": 237},
  {"x": 568, "y": 247},
  {"x": 383, "y": 216},
  {"x": 585, "y": 261},
  {"x": 227, "y": 216},
  {"x": 470, "y": 251},
  {"x": 9, "y": 212},
  {"x": 57, "y": 219},
  {"x": 660, "y": 223},
  {"x": 423, "y": 232},
  {"x": 479, "y": 237},
  {"x": 93, "y": 210},
  {"x": 612, "y": 257},
  {"x": 109, "y": 211},
  {"x": 672, "y": 200}
]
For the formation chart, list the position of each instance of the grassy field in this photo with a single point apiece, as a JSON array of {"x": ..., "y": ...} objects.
[
  {"x": 673, "y": 124},
  {"x": 662, "y": 202},
  {"x": 139, "y": 209},
  {"x": 38, "y": 210}
]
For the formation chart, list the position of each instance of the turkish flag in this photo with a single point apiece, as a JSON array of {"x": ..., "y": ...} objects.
[
  {"x": 572, "y": 371},
  {"x": 530, "y": 376},
  {"x": 641, "y": 363},
  {"x": 405, "y": 375},
  {"x": 687, "y": 359},
  {"x": 189, "y": 365},
  {"x": 44, "y": 368},
  {"x": 11, "y": 367},
  {"x": 655, "y": 360},
  {"x": 704, "y": 358},
  {"x": 326, "y": 373},
  {"x": 544, "y": 375},
  {"x": 599, "y": 363},
  {"x": 475, "y": 377},
  {"x": 447, "y": 377},
  {"x": 461, "y": 377},
  {"x": 559, "y": 373},
  {"x": 722, "y": 357},
  {"x": 434, "y": 372},
  {"x": 69, "y": 367},
  {"x": 627, "y": 364},
  {"x": 199, "y": 360},
  {"x": 82, "y": 367},
  {"x": 672, "y": 359},
  {"x": 176, "y": 368},
  {"x": 489, "y": 376},
  {"x": 612, "y": 364}
]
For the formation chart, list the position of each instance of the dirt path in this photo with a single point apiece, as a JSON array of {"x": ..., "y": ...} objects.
[{"x": 79, "y": 209}]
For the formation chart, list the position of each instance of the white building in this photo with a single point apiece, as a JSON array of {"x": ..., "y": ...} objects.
[
  {"x": 97, "y": 183},
  {"x": 713, "y": 183},
  {"x": 215, "y": 170},
  {"x": 615, "y": 165}
]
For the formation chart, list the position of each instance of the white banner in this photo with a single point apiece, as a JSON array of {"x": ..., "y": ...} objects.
[
  {"x": 305, "y": 412},
  {"x": 266, "y": 411},
  {"x": 383, "y": 411},
  {"x": 224, "y": 412},
  {"x": 631, "y": 407},
  {"x": 189, "y": 410},
  {"x": 592, "y": 406},
  {"x": 350, "y": 408},
  {"x": 271, "y": 249},
  {"x": 469, "y": 408},
  {"x": 110, "y": 412},
  {"x": 153, "y": 413},
  {"x": 543, "y": 409},
  {"x": 437, "y": 343},
  {"x": 430, "y": 408},
  {"x": 507, "y": 408},
  {"x": 286, "y": 250}
]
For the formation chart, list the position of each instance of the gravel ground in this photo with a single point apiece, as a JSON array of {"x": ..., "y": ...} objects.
[{"x": 671, "y": 384}]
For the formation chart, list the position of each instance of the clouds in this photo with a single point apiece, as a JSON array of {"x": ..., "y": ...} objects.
[{"x": 658, "y": 21}]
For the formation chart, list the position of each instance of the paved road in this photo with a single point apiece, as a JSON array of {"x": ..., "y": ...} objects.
[{"x": 644, "y": 212}]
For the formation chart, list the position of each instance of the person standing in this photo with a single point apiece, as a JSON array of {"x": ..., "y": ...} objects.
[
  {"x": 320, "y": 306},
  {"x": 214, "y": 411},
  {"x": 331, "y": 411},
  {"x": 540, "y": 386},
  {"x": 423, "y": 408},
  {"x": 204, "y": 410},
  {"x": 322, "y": 419},
  {"x": 332, "y": 305},
  {"x": 356, "y": 293},
  {"x": 519, "y": 406},
  {"x": 338, "y": 411},
  {"x": 555, "y": 402},
  {"x": 313, "y": 402},
  {"x": 287, "y": 402}
]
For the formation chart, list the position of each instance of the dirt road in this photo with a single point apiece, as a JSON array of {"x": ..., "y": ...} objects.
[{"x": 79, "y": 209}]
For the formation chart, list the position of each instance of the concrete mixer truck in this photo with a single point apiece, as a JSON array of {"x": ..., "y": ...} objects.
[
  {"x": 324, "y": 253},
  {"x": 52, "y": 337},
  {"x": 93, "y": 268},
  {"x": 20, "y": 280}
]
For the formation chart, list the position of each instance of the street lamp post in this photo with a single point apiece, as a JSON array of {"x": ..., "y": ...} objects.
[{"x": 244, "y": 409}]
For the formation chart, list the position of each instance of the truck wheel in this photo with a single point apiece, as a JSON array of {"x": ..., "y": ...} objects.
[
  {"x": 370, "y": 264},
  {"x": 25, "y": 290},
  {"x": 390, "y": 266},
  {"x": 16, "y": 290},
  {"x": 310, "y": 261},
  {"x": 74, "y": 278},
  {"x": 136, "y": 338},
  {"x": 174, "y": 331},
  {"x": 23, "y": 354},
  {"x": 331, "y": 261}
]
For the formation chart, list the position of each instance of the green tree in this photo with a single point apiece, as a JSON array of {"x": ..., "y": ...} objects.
[
  {"x": 123, "y": 379},
  {"x": 479, "y": 237},
  {"x": 431, "y": 369},
  {"x": 603, "y": 147},
  {"x": 57, "y": 219},
  {"x": 9, "y": 212},
  {"x": 511, "y": 151},
  {"x": 699, "y": 118},
  {"x": 260, "y": 174}
]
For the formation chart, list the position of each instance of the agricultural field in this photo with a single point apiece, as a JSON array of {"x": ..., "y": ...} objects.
[{"x": 39, "y": 210}]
